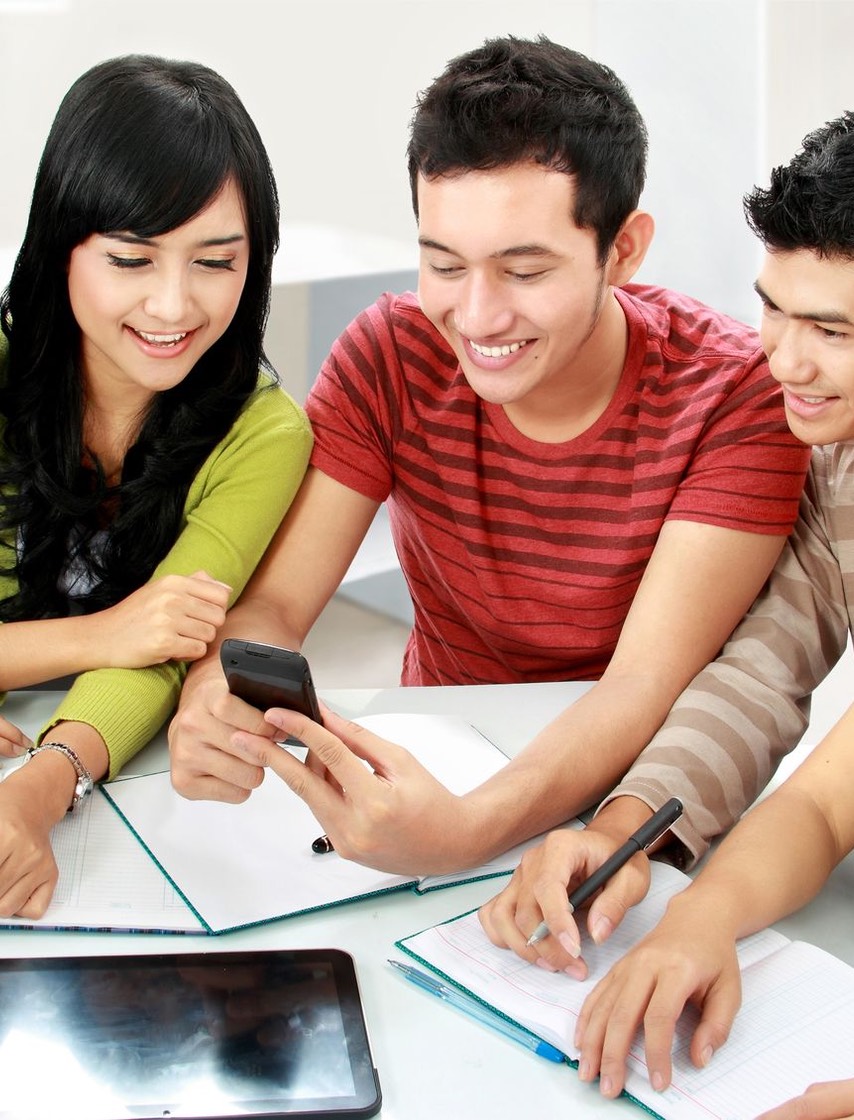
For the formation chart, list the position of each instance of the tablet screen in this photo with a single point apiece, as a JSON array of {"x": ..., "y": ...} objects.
[{"x": 201, "y": 1035}]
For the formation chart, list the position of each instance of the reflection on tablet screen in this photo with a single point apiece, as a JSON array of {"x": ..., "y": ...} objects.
[{"x": 184, "y": 1035}]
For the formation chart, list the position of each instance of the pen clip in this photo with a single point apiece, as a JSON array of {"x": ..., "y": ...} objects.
[{"x": 422, "y": 979}]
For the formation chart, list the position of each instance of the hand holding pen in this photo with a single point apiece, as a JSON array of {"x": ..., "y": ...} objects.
[{"x": 648, "y": 833}]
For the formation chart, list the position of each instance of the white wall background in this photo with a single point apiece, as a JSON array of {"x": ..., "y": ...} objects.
[
  {"x": 727, "y": 87},
  {"x": 330, "y": 83}
]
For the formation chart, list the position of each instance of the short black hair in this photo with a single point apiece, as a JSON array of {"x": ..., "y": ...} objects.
[
  {"x": 517, "y": 100},
  {"x": 810, "y": 202}
]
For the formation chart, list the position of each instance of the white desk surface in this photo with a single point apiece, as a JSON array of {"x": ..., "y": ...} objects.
[{"x": 432, "y": 1061}]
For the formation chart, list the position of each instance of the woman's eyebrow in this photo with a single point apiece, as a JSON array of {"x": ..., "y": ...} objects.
[{"x": 209, "y": 242}]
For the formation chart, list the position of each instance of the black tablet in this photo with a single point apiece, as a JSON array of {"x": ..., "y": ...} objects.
[{"x": 194, "y": 1035}]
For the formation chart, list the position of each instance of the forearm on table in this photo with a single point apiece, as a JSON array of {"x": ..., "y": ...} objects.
[
  {"x": 569, "y": 766},
  {"x": 87, "y": 744}
]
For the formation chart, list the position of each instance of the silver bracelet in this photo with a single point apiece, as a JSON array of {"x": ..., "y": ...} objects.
[{"x": 85, "y": 782}]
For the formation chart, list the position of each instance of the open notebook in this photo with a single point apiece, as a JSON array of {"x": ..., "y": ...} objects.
[
  {"x": 107, "y": 881},
  {"x": 795, "y": 1025},
  {"x": 140, "y": 857}
]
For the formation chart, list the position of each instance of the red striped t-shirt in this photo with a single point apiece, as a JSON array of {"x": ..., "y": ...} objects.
[{"x": 522, "y": 558}]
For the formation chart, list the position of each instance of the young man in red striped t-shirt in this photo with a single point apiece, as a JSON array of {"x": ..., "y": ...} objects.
[{"x": 585, "y": 478}]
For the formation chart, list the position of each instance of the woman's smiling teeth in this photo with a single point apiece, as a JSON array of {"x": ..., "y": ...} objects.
[
  {"x": 160, "y": 339},
  {"x": 497, "y": 351}
]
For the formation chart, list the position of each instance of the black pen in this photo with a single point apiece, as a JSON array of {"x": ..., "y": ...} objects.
[
  {"x": 322, "y": 845},
  {"x": 639, "y": 841}
]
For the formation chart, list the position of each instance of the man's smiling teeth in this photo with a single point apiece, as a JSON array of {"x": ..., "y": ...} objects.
[
  {"x": 162, "y": 339},
  {"x": 497, "y": 351}
]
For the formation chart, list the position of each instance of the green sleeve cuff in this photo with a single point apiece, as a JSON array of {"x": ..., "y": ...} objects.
[{"x": 124, "y": 727}]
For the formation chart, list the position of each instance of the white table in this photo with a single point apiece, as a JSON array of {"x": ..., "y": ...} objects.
[{"x": 432, "y": 1061}]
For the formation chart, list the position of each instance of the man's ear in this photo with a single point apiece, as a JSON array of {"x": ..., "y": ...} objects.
[{"x": 629, "y": 248}]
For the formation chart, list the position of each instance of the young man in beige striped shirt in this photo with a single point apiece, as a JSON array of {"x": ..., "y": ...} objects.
[{"x": 744, "y": 712}]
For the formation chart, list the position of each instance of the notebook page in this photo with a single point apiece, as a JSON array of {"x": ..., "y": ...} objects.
[
  {"x": 106, "y": 879},
  {"x": 546, "y": 1003},
  {"x": 242, "y": 864},
  {"x": 449, "y": 747},
  {"x": 794, "y": 1027},
  {"x": 238, "y": 865}
]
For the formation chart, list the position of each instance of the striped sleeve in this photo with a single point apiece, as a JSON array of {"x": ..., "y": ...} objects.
[{"x": 729, "y": 730}]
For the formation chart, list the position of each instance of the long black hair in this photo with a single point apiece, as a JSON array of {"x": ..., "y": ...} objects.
[{"x": 139, "y": 144}]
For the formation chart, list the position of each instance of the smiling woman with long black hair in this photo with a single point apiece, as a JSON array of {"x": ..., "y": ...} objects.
[{"x": 147, "y": 453}]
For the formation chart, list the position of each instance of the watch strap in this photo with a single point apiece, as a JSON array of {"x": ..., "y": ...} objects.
[{"x": 85, "y": 782}]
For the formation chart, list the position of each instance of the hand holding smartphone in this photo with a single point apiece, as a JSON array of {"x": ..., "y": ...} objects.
[
  {"x": 269, "y": 677},
  {"x": 272, "y": 677}
]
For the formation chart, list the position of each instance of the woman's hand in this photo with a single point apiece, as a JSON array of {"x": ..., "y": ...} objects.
[
  {"x": 170, "y": 619},
  {"x": 33, "y": 798},
  {"x": 28, "y": 871},
  {"x": 13, "y": 742}
]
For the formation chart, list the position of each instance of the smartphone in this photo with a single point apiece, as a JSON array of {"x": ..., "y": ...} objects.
[{"x": 269, "y": 677}]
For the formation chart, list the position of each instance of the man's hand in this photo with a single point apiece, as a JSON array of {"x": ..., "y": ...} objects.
[
  {"x": 13, "y": 742},
  {"x": 217, "y": 743},
  {"x": 538, "y": 892},
  {"x": 548, "y": 873},
  {"x": 831, "y": 1100},
  {"x": 689, "y": 956},
  {"x": 391, "y": 814},
  {"x": 170, "y": 619}
]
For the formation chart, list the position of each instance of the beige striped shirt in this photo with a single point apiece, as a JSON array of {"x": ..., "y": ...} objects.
[{"x": 730, "y": 728}]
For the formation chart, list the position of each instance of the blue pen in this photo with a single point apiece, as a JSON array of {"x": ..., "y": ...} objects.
[{"x": 476, "y": 1010}]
